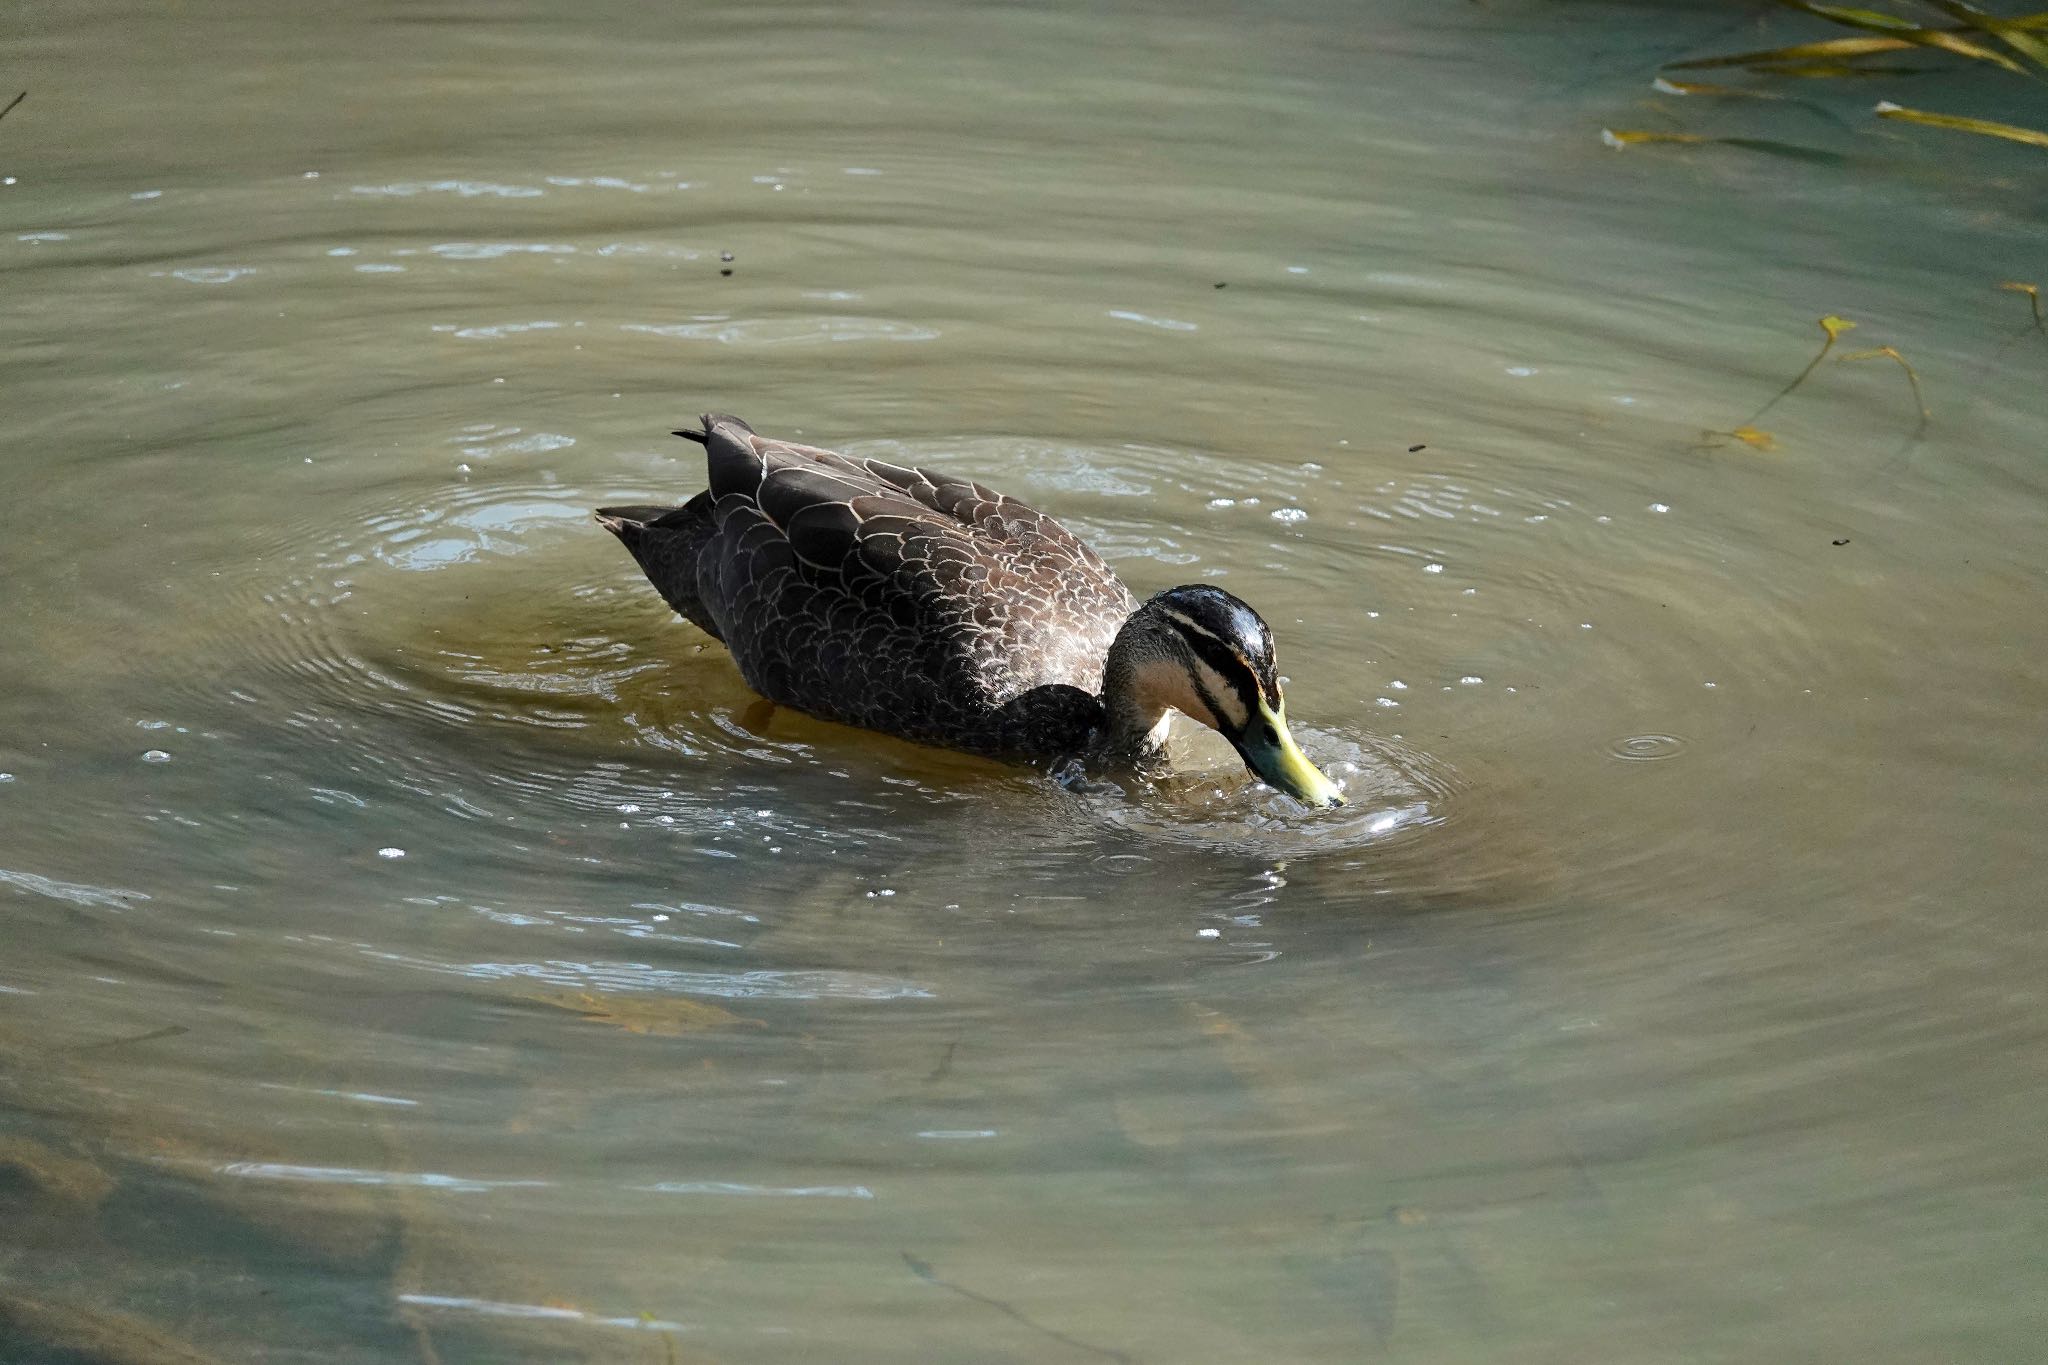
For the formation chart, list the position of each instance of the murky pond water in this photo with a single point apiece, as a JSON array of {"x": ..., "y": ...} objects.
[{"x": 416, "y": 946}]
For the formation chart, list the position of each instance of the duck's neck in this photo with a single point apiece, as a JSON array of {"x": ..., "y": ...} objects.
[{"x": 1134, "y": 715}]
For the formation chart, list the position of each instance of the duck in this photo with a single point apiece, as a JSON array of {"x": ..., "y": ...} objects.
[{"x": 929, "y": 607}]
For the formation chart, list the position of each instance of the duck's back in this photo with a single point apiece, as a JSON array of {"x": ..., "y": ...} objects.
[{"x": 899, "y": 599}]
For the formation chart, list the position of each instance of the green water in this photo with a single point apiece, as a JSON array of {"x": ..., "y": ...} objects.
[{"x": 413, "y": 946}]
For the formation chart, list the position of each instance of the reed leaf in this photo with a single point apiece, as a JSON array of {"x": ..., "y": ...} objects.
[
  {"x": 1825, "y": 51},
  {"x": 1826, "y": 70},
  {"x": 1985, "y": 127},
  {"x": 2011, "y": 32},
  {"x": 1618, "y": 138},
  {"x": 1665, "y": 86},
  {"x": 1947, "y": 39}
]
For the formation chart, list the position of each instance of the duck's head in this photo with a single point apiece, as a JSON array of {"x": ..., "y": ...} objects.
[{"x": 1205, "y": 653}]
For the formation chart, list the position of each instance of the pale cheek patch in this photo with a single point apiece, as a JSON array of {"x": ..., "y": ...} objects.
[
  {"x": 1225, "y": 695},
  {"x": 1163, "y": 684}
]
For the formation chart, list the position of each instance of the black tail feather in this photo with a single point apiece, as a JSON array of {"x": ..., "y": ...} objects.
[{"x": 710, "y": 420}]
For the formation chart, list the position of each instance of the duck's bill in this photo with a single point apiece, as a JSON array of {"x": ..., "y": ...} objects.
[{"x": 1280, "y": 763}]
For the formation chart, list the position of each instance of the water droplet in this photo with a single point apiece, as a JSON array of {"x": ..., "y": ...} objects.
[
  {"x": 1289, "y": 514},
  {"x": 155, "y": 756},
  {"x": 390, "y": 853},
  {"x": 1471, "y": 680},
  {"x": 1208, "y": 933},
  {"x": 1659, "y": 507},
  {"x": 1432, "y": 568}
]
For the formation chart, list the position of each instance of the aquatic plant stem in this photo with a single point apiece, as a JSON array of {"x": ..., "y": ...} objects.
[
  {"x": 924, "y": 1271},
  {"x": 1913, "y": 379},
  {"x": 11, "y": 103},
  {"x": 1834, "y": 327},
  {"x": 2033, "y": 293}
]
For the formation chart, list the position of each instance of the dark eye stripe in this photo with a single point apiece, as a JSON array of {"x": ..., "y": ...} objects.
[{"x": 1229, "y": 665}]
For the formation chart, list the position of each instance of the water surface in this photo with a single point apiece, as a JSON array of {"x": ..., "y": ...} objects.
[{"x": 418, "y": 946}]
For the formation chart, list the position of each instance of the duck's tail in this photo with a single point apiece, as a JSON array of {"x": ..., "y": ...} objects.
[
  {"x": 712, "y": 421},
  {"x": 667, "y": 542}
]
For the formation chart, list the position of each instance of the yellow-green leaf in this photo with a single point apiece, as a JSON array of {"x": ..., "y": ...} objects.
[
  {"x": 1963, "y": 47},
  {"x": 1665, "y": 86},
  {"x": 1752, "y": 436},
  {"x": 1947, "y": 39},
  {"x": 1826, "y": 50},
  {"x": 1985, "y": 127},
  {"x": 1856, "y": 18},
  {"x": 1828, "y": 70},
  {"x": 1835, "y": 326},
  {"x": 2007, "y": 31},
  {"x": 1618, "y": 138}
]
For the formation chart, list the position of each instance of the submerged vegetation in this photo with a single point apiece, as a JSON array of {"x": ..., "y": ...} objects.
[
  {"x": 2002, "y": 46},
  {"x": 1950, "y": 37}
]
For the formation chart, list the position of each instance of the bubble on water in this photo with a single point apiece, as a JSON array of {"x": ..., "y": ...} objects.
[
  {"x": 1289, "y": 514},
  {"x": 1660, "y": 507},
  {"x": 629, "y": 808},
  {"x": 1398, "y": 685},
  {"x": 6, "y": 777},
  {"x": 1471, "y": 680},
  {"x": 1208, "y": 933},
  {"x": 1432, "y": 568},
  {"x": 1522, "y": 371},
  {"x": 155, "y": 756},
  {"x": 391, "y": 853},
  {"x": 1646, "y": 748},
  {"x": 1387, "y": 702}
]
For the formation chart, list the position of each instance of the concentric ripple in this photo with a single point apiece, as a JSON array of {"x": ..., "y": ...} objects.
[{"x": 1646, "y": 748}]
